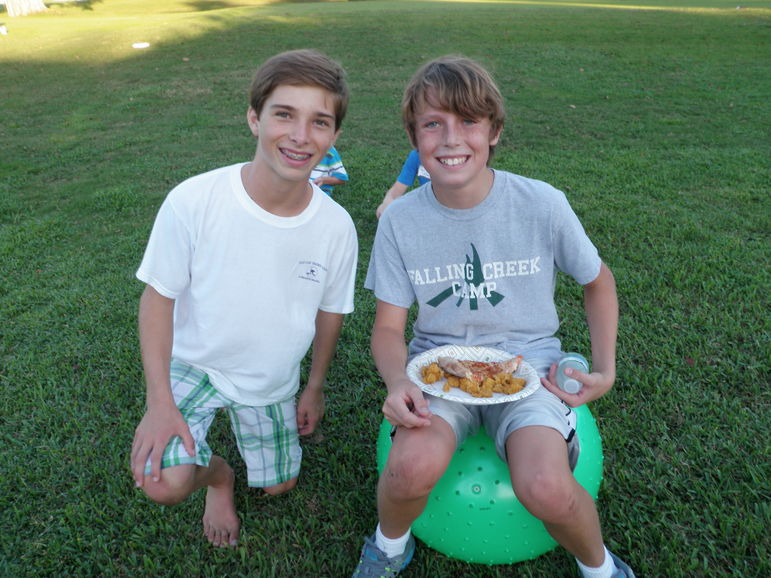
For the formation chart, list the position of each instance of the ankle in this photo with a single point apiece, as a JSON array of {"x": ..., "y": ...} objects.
[
  {"x": 391, "y": 547},
  {"x": 605, "y": 570}
]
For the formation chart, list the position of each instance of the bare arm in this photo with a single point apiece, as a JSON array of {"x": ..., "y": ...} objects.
[
  {"x": 405, "y": 404},
  {"x": 601, "y": 305},
  {"x": 329, "y": 180},
  {"x": 310, "y": 406},
  {"x": 162, "y": 420},
  {"x": 396, "y": 191}
]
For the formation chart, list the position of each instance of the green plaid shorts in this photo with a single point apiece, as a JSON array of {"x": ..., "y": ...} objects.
[{"x": 266, "y": 436}]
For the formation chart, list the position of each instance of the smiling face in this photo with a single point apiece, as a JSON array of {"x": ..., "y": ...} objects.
[
  {"x": 295, "y": 128},
  {"x": 455, "y": 151},
  {"x": 453, "y": 113}
]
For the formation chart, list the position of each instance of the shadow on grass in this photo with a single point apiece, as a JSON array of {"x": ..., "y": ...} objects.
[{"x": 87, "y": 5}]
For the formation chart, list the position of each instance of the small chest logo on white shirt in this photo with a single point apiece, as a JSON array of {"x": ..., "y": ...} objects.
[{"x": 311, "y": 271}]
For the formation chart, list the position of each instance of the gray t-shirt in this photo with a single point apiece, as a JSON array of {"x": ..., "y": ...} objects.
[{"x": 483, "y": 276}]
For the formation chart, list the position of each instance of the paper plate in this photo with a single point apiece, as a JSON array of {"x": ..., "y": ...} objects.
[{"x": 525, "y": 370}]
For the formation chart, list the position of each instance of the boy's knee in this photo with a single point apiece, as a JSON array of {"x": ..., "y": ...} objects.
[
  {"x": 279, "y": 489},
  {"x": 412, "y": 478},
  {"x": 174, "y": 487},
  {"x": 548, "y": 498},
  {"x": 164, "y": 495}
]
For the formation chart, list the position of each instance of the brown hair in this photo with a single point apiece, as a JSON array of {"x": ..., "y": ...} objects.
[
  {"x": 456, "y": 84},
  {"x": 300, "y": 68}
]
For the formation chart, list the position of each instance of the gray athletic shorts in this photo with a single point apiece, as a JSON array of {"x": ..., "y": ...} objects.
[{"x": 500, "y": 420}]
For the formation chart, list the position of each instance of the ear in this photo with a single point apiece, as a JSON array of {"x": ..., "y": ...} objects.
[
  {"x": 411, "y": 137},
  {"x": 253, "y": 120},
  {"x": 495, "y": 136}
]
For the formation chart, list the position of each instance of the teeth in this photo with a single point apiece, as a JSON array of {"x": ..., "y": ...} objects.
[
  {"x": 296, "y": 157},
  {"x": 453, "y": 161}
]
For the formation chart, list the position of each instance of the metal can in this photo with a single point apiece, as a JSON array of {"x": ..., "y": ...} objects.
[{"x": 574, "y": 361}]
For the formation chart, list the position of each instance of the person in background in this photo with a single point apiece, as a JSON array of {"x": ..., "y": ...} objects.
[
  {"x": 411, "y": 170},
  {"x": 329, "y": 172}
]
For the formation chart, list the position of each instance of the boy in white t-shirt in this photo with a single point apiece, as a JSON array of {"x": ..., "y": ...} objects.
[{"x": 246, "y": 267}]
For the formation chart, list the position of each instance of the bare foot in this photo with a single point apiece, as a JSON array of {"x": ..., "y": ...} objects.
[{"x": 220, "y": 520}]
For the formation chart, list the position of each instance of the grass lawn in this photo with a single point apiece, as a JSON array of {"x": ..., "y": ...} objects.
[{"x": 651, "y": 115}]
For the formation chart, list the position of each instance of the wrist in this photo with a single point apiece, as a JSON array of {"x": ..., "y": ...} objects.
[
  {"x": 397, "y": 382},
  {"x": 314, "y": 385},
  {"x": 160, "y": 397}
]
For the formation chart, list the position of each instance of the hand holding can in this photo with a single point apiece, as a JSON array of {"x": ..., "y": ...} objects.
[{"x": 574, "y": 361}]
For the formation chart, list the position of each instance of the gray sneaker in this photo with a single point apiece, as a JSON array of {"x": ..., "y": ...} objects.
[
  {"x": 375, "y": 563},
  {"x": 622, "y": 569}
]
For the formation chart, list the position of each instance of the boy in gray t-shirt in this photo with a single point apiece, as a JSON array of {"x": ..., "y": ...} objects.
[{"x": 479, "y": 251}]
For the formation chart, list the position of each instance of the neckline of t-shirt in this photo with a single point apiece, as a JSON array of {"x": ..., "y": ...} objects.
[
  {"x": 258, "y": 212},
  {"x": 477, "y": 210}
]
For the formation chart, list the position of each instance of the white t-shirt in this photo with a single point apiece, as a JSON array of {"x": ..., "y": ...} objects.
[{"x": 248, "y": 284}]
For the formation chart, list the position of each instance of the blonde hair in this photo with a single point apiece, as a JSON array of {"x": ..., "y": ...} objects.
[{"x": 456, "y": 84}]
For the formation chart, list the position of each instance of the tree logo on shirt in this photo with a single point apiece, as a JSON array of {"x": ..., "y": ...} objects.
[
  {"x": 311, "y": 271},
  {"x": 473, "y": 286}
]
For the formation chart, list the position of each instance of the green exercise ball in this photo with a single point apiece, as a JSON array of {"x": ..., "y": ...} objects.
[{"x": 473, "y": 514}]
